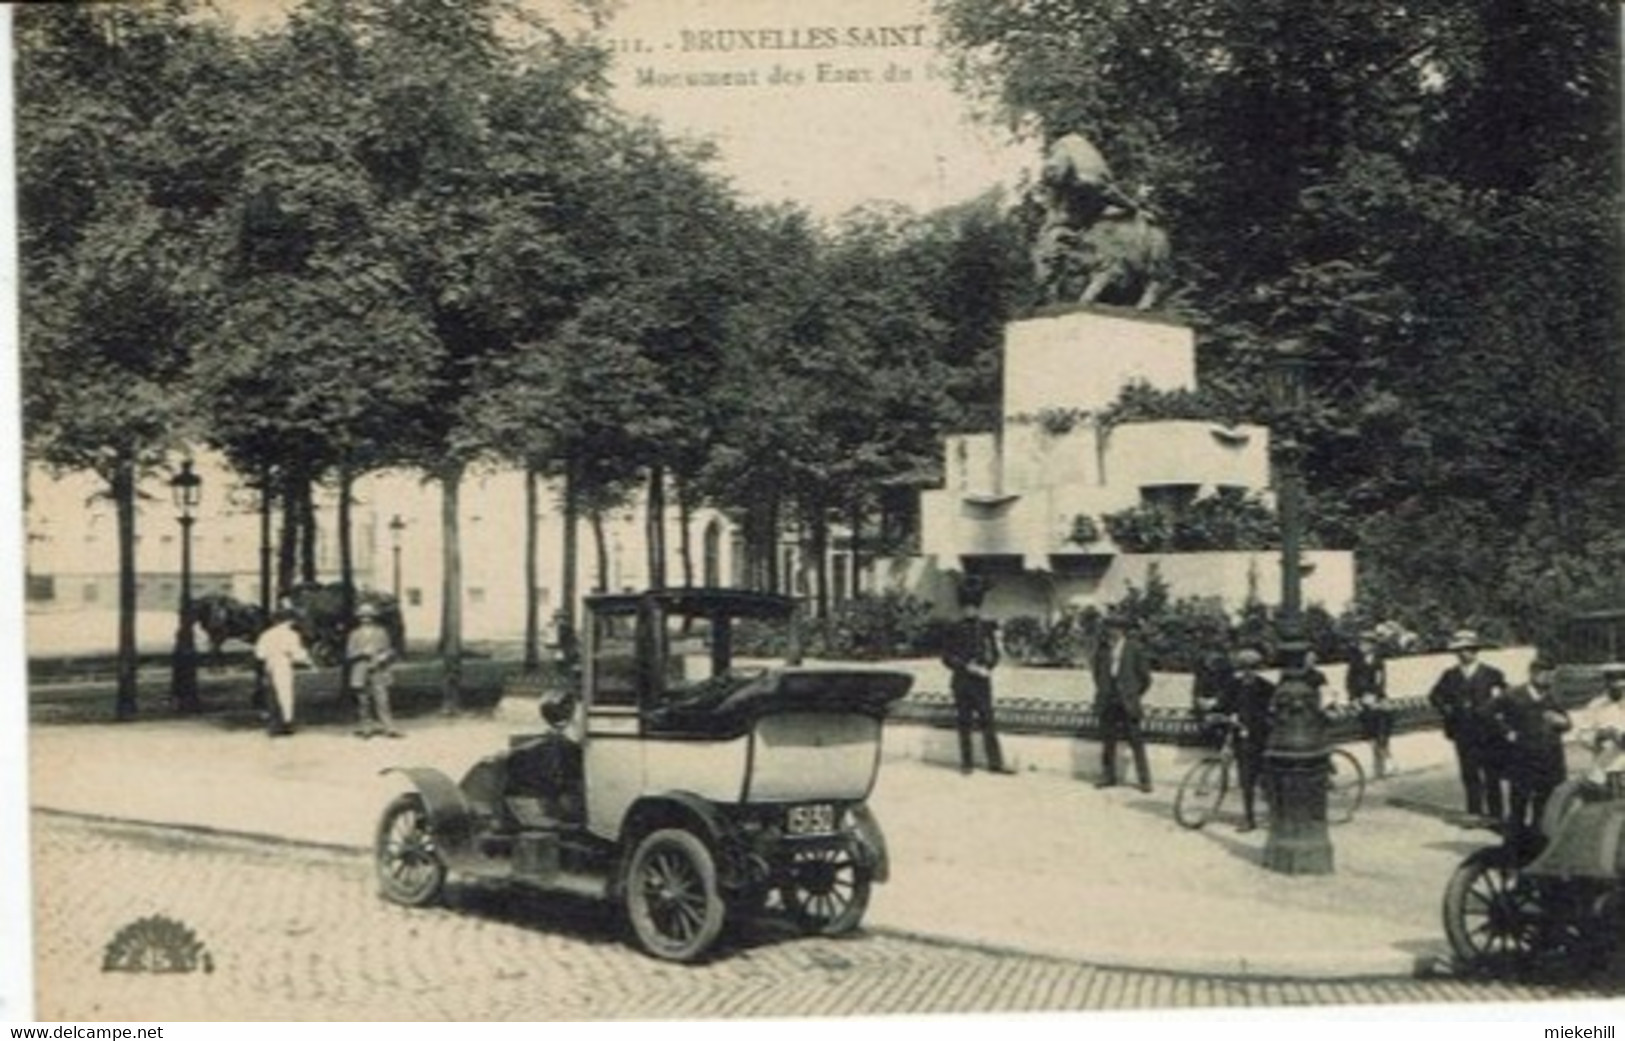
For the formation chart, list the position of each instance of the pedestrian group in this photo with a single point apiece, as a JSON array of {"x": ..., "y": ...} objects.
[{"x": 1508, "y": 740}]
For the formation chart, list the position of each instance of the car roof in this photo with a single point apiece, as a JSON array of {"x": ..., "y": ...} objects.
[{"x": 697, "y": 600}]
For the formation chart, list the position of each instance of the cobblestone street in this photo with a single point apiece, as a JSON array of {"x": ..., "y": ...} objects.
[{"x": 296, "y": 933}]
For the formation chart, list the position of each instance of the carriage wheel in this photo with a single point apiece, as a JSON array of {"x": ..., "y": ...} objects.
[
  {"x": 1201, "y": 792},
  {"x": 1492, "y": 912},
  {"x": 671, "y": 895},
  {"x": 409, "y": 867},
  {"x": 1345, "y": 786},
  {"x": 826, "y": 890}
]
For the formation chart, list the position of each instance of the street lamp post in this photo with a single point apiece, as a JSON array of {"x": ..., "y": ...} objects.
[
  {"x": 396, "y": 526},
  {"x": 1299, "y": 842},
  {"x": 187, "y": 489}
]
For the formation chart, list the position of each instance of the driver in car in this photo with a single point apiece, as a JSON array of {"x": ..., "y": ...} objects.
[{"x": 548, "y": 768}]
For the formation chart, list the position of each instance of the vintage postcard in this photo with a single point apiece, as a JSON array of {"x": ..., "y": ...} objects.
[{"x": 729, "y": 509}]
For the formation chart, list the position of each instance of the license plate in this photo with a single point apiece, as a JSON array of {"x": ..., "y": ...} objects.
[{"x": 812, "y": 819}]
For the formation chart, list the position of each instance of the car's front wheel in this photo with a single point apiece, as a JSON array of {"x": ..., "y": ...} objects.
[
  {"x": 409, "y": 867},
  {"x": 672, "y": 900},
  {"x": 826, "y": 890}
]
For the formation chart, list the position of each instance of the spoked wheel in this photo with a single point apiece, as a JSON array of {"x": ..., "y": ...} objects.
[
  {"x": 671, "y": 895},
  {"x": 1492, "y": 912},
  {"x": 1345, "y": 786},
  {"x": 826, "y": 890},
  {"x": 409, "y": 867},
  {"x": 1201, "y": 792}
]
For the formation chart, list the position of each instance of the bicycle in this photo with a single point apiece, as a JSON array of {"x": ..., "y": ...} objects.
[{"x": 1204, "y": 786}]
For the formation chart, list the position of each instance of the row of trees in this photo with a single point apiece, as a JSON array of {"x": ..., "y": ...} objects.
[
  {"x": 1426, "y": 196},
  {"x": 405, "y": 233},
  {"x": 412, "y": 233}
]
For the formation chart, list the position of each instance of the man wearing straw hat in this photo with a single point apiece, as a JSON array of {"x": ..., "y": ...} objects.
[
  {"x": 1466, "y": 696},
  {"x": 370, "y": 652}
]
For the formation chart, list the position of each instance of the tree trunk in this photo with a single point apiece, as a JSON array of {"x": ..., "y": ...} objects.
[
  {"x": 266, "y": 603},
  {"x": 533, "y": 650},
  {"x": 451, "y": 592},
  {"x": 307, "y": 529},
  {"x": 596, "y": 516},
  {"x": 655, "y": 527},
  {"x": 572, "y": 516},
  {"x": 819, "y": 547},
  {"x": 346, "y": 570},
  {"x": 854, "y": 585},
  {"x": 122, "y": 483},
  {"x": 685, "y": 541},
  {"x": 287, "y": 561},
  {"x": 770, "y": 542}
]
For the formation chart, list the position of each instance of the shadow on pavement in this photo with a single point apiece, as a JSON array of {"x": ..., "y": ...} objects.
[{"x": 602, "y": 923}]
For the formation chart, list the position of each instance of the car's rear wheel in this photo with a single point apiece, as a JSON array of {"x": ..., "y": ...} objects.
[
  {"x": 826, "y": 890},
  {"x": 409, "y": 867},
  {"x": 672, "y": 900}
]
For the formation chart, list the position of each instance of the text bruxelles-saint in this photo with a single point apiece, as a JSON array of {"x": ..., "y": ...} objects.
[{"x": 803, "y": 38}]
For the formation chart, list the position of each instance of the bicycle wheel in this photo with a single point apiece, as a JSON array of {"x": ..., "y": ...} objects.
[
  {"x": 1201, "y": 792},
  {"x": 1345, "y": 786}
]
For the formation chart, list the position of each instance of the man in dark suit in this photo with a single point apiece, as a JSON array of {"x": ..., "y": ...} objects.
[
  {"x": 1467, "y": 696},
  {"x": 1249, "y": 699},
  {"x": 1122, "y": 676},
  {"x": 1534, "y": 724},
  {"x": 1367, "y": 683},
  {"x": 971, "y": 652}
]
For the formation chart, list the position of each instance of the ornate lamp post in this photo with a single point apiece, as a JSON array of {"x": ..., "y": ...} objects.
[
  {"x": 1299, "y": 843},
  {"x": 396, "y": 526},
  {"x": 187, "y": 489}
]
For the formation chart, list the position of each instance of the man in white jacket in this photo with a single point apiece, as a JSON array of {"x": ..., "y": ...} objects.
[{"x": 281, "y": 648}]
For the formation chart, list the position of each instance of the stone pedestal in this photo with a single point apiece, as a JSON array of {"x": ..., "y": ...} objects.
[
  {"x": 1077, "y": 362},
  {"x": 1082, "y": 359}
]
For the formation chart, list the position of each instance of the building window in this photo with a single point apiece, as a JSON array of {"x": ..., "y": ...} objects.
[
  {"x": 476, "y": 595},
  {"x": 93, "y": 592},
  {"x": 414, "y": 597},
  {"x": 41, "y": 588}
]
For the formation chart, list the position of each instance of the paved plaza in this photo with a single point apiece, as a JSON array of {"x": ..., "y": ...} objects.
[
  {"x": 1039, "y": 862},
  {"x": 296, "y": 933}
]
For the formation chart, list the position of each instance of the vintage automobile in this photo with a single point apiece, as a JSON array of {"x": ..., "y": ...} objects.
[
  {"x": 701, "y": 787},
  {"x": 1549, "y": 900}
]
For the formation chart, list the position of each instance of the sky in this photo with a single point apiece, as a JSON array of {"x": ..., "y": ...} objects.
[
  {"x": 830, "y": 104},
  {"x": 825, "y": 103}
]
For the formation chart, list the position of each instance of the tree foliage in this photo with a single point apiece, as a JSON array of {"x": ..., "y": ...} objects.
[{"x": 1425, "y": 196}]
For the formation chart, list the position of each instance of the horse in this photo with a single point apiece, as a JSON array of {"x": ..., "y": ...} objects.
[{"x": 224, "y": 618}]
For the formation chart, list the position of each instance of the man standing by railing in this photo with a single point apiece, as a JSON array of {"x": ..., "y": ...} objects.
[
  {"x": 1467, "y": 696},
  {"x": 971, "y": 652},
  {"x": 1122, "y": 674}
]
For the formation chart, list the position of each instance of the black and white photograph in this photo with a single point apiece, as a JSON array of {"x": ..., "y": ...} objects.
[{"x": 687, "y": 511}]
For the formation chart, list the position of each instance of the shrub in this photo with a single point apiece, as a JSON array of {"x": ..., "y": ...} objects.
[{"x": 1228, "y": 520}]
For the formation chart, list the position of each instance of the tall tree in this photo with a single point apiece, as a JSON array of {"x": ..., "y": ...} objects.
[{"x": 110, "y": 193}]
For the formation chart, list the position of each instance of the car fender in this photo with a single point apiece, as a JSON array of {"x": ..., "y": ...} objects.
[
  {"x": 451, "y": 819},
  {"x": 870, "y": 841},
  {"x": 676, "y": 809}
]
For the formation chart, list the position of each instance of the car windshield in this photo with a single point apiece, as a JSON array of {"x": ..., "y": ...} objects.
[{"x": 710, "y": 651}]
